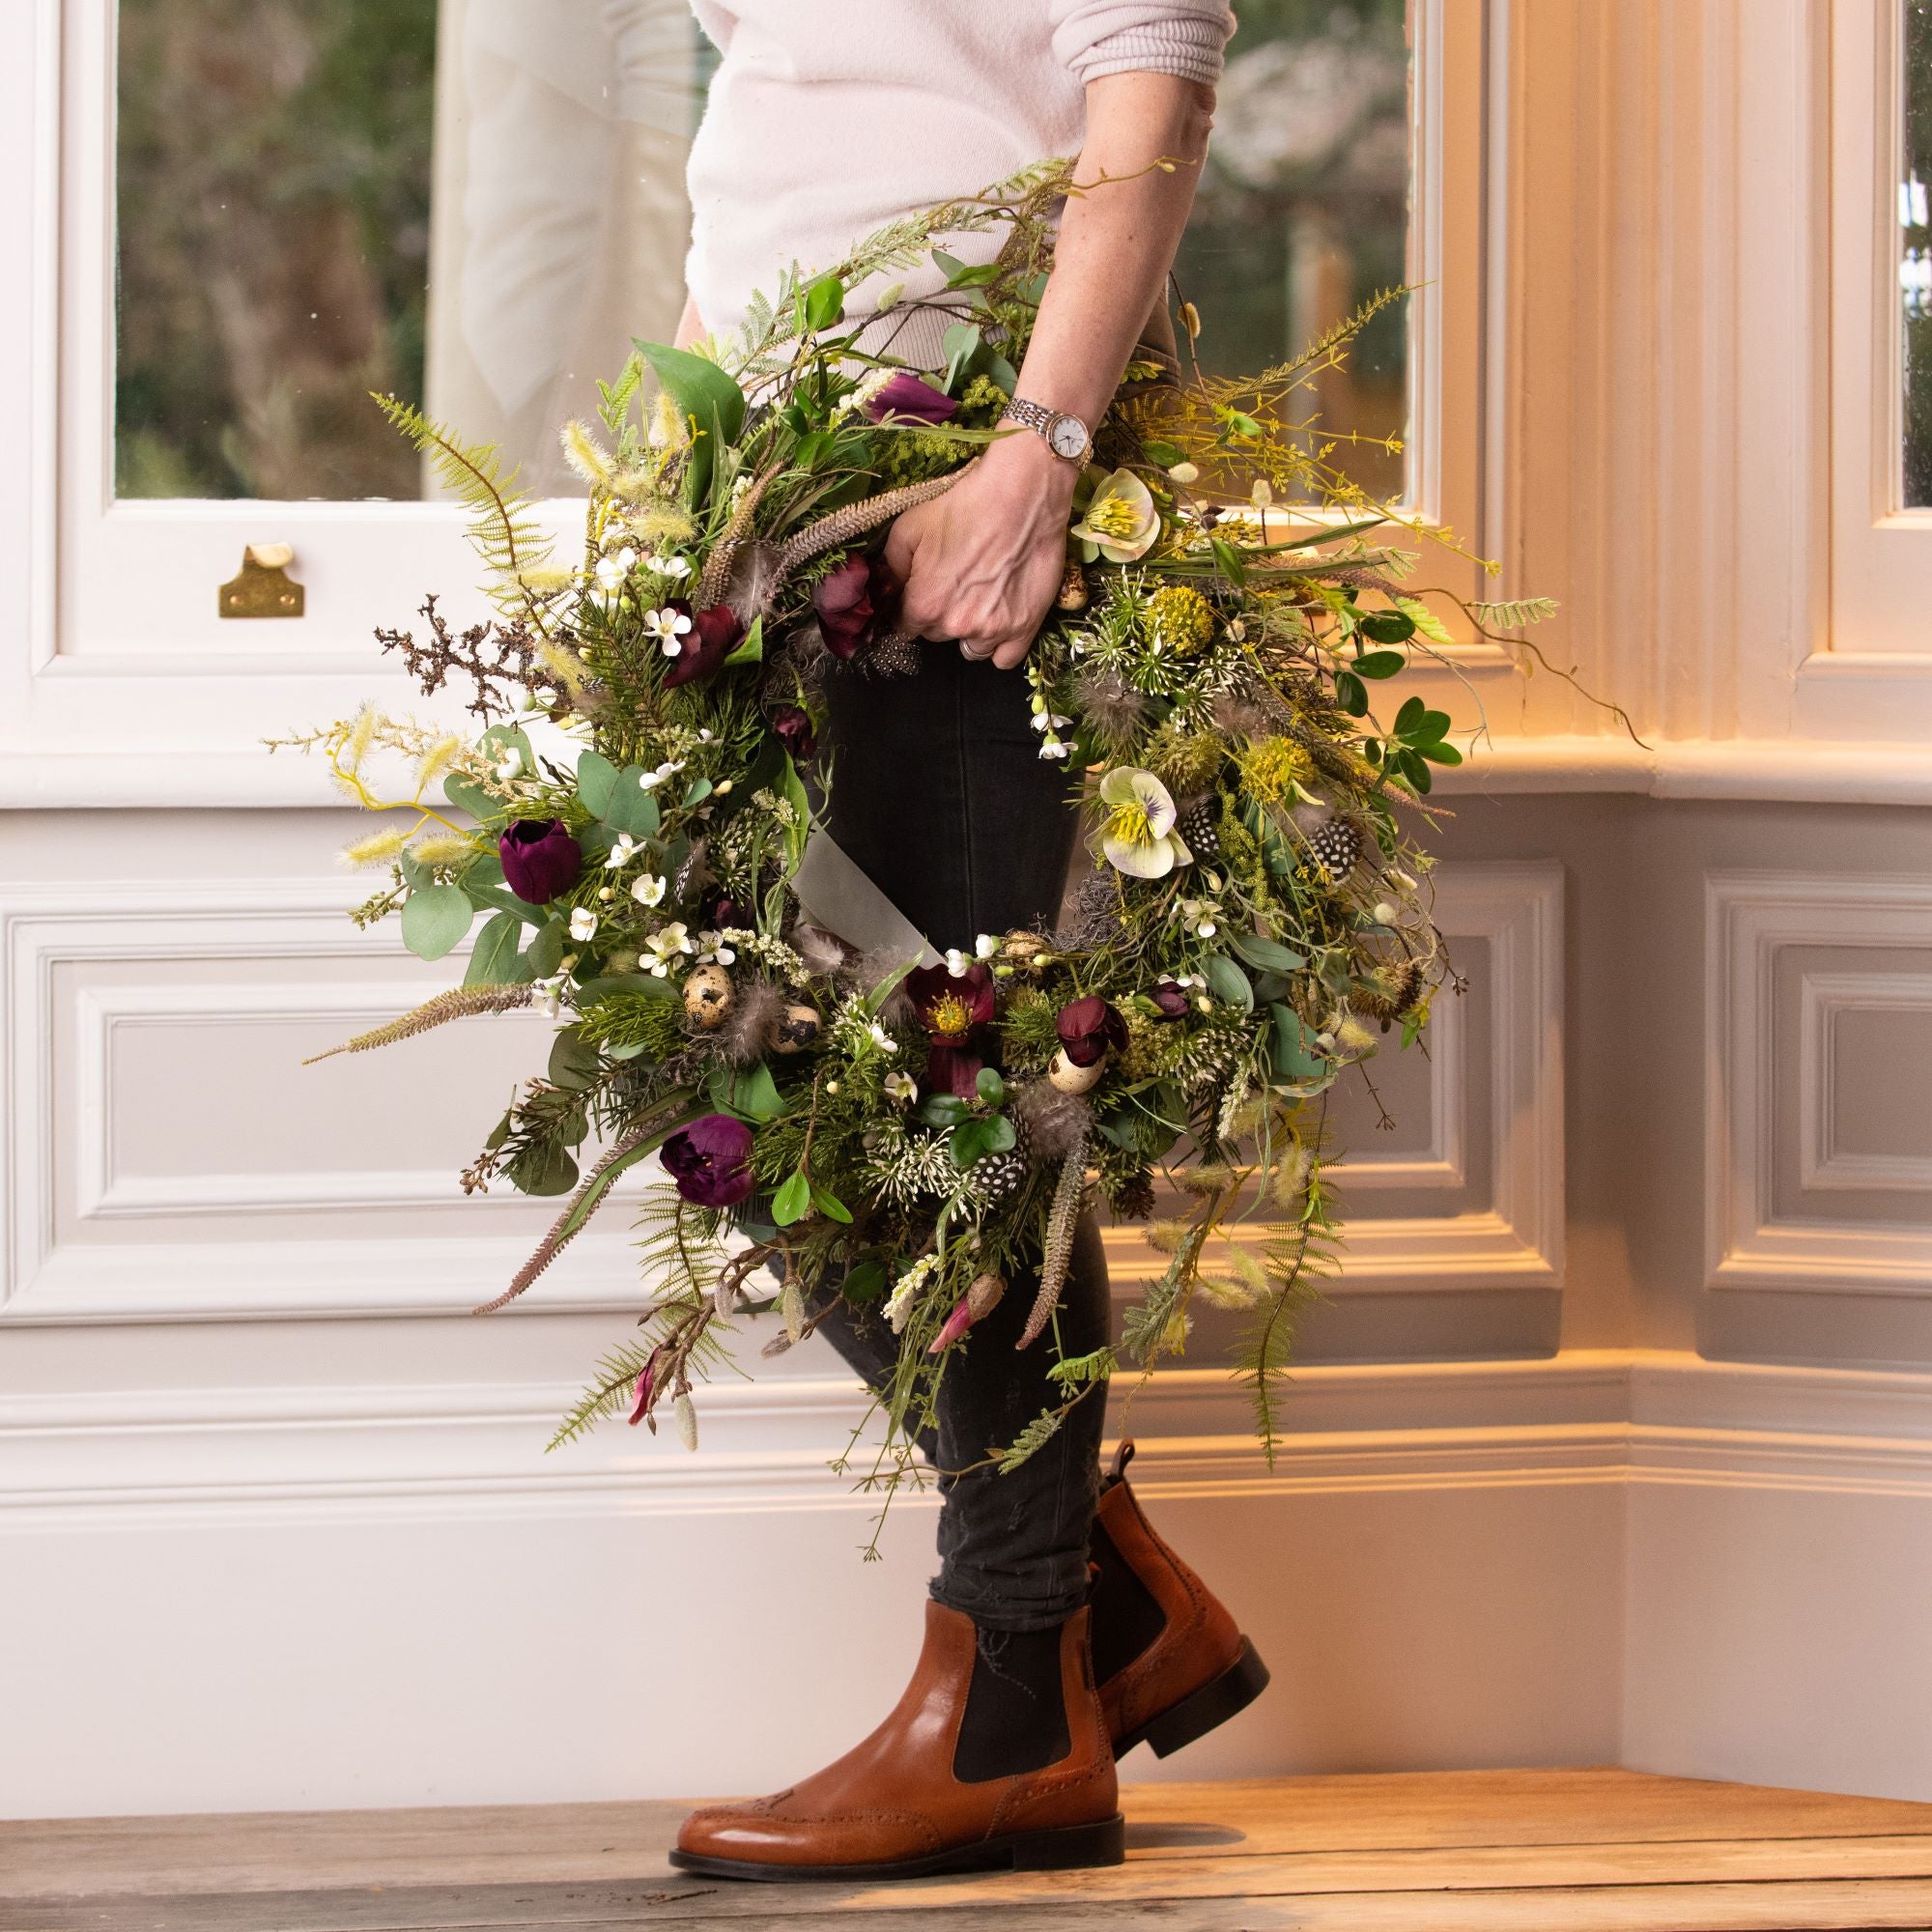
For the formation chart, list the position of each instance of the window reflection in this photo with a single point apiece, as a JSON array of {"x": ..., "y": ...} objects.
[
  {"x": 1914, "y": 261},
  {"x": 474, "y": 205},
  {"x": 273, "y": 232},
  {"x": 1304, "y": 210}
]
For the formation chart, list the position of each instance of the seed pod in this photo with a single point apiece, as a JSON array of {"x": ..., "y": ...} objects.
[{"x": 707, "y": 995}]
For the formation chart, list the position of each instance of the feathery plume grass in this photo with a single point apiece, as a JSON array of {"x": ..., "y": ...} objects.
[{"x": 380, "y": 848}]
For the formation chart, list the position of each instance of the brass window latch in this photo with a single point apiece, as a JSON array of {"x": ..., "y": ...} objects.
[{"x": 263, "y": 588}]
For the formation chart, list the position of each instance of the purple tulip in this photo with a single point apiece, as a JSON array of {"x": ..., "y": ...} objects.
[
  {"x": 906, "y": 396},
  {"x": 1171, "y": 999},
  {"x": 856, "y": 602},
  {"x": 792, "y": 725},
  {"x": 541, "y": 859},
  {"x": 711, "y": 1160},
  {"x": 714, "y": 633},
  {"x": 1087, "y": 1028}
]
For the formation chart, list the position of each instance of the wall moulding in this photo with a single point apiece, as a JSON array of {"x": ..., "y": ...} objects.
[{"x": 1752, "y": 919}]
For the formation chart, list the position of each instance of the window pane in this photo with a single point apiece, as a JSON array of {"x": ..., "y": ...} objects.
[
  {"x": 474, "y": 204},
  {"x": 1915, "y": 262},
  {"x": 274, "y": 234},
  {"x": 1303, "y": 212}
]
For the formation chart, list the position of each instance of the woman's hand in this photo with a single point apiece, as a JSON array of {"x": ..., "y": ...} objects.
[{"x": 984, "y": 562}]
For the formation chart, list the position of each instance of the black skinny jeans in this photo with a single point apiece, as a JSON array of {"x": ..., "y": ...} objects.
[{"x": 940, "y": 795}]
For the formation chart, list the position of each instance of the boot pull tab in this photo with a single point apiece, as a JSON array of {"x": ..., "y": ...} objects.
[{"x": 1123, "y": 1456}]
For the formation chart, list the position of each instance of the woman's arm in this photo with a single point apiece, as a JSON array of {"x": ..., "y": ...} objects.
[{"x": 982, "y": 562}]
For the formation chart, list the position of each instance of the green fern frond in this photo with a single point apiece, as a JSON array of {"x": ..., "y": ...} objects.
[
  {"x": 501, "y": 529},
  {"x": 1511, "y": 616},
  {"x": 614, "y": 399},
  {"x": 1031, "y": 1441},
  {"x": 1293, "y": 1264},
  {"x": 609, "y": 1395}
]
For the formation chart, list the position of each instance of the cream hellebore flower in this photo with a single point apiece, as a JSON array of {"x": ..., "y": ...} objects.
[
  {"x": 648, "y": 890},
  {"x": 583, "y": 925},
  {"x": 667, "y": 944},
  {"x": 900, "y": 1087},
  {"x": 1120, "y": 523},
  {"x": 623, "y": 851},
  {"x": 667, "y": 626},
  {"x": 1140, "y": 839}
]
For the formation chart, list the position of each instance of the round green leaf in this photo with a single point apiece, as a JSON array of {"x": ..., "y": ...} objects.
[
  {"x": 435, "y": 920},
  {"x": 596, "y": 783}
]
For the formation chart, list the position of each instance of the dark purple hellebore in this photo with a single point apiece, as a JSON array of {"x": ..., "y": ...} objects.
[
  {"x": 714, "y": 634},
  {"x": 855, "y": 604},
  {"x": 540, "y": 858},
  {"x": 906, "y": 396},
  {"x": 1171, "y": 999},
  {"x": 952, "y": 1008},
  {"x": 1087, "y": 1028},
  {"x": 711, "y": 1160},
  {"x": 792, "y": 725}
]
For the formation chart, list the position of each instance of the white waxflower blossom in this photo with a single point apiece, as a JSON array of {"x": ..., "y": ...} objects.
[
  {"x": 900, "y": 1087},
  {"x": 583, "y": 925},
  {"x": 667, "y": 626},
  {"x": 648, "y": 890},
  {"x": 511, "y": 764},
  {"x": 985, "y": 944},
  {"x": 957, "y": 963},
  {"x": 669, "y": 943},
  {"x": 668, "y": 565},
  {"x": 882, "y": 1039},
  {"x": 623, "y": 851},
  {"x": 550, "y": 994},
  {"x": 612, "y": 571},
  {"x": 650, "y": 781},
  {"x": 1199, "y": 917},
  {"x": 713, "y": 949}
]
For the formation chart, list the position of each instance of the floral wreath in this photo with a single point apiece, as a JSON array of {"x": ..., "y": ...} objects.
[{"x": 909, "y": 1132}]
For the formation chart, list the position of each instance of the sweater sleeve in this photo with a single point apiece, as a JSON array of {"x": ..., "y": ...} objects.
[{"x": 1096, "y": 37}]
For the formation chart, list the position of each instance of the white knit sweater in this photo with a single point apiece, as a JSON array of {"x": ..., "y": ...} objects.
[{"x": 828, "y": 118}]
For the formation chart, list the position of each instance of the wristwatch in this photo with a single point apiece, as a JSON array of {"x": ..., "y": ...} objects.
[{"x": 1066, "y": 436}]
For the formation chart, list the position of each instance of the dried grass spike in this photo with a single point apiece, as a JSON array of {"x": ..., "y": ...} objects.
[{"x": 457, "y": 1004}]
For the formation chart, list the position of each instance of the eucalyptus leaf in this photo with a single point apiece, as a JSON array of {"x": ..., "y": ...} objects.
[
  {"x": 546, "y": 954},
  {"x": 543, "y": 1169},
  {"x": 631, "y": 808},
  {"x": 435, "y": 920},
  {"x": 596, "y": 783},
  {"x": 1265, "y": 953},
  {"x": 1228, "y": 982},
  {"x": 493, "y": 960},
  {"x": 572, "y": 1060}
]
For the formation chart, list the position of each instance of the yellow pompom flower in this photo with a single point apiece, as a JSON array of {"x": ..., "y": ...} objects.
[
  {"x": 1180, "y": 620},
  {"x": 1272, "y": 767}
]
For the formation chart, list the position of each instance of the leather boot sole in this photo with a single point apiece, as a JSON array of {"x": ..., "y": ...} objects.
[
  {"x": 1201, "y": 1711},
  {"x": 1104, "y": 1843}
]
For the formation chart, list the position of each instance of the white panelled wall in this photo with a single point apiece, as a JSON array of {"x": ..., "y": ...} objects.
[{"x": 1613, "y": 1439}]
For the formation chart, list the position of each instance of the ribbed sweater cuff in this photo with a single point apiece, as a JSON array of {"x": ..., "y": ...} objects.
[{"x": 1191, "y": 49}]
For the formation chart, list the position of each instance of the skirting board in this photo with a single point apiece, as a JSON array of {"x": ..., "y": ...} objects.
[{"x": 228, "y": 1599}]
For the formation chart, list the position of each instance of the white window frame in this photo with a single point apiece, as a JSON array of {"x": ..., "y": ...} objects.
[{"x": 119, "y": 684}]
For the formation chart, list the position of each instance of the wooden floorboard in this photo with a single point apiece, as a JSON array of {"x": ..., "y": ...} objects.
[{"x": 1503, "y": 1851}]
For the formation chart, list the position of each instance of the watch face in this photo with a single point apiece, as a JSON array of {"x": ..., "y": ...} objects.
[{"x": 1068, "y": 437}]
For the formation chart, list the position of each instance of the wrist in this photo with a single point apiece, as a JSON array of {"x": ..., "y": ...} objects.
[{"x": 1021, "y": 456}]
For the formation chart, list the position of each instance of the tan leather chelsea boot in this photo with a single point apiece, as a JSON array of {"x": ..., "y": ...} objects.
[
  {"x": 995, "y": 1755},
  {"x": 1171, "y": 1662}
]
